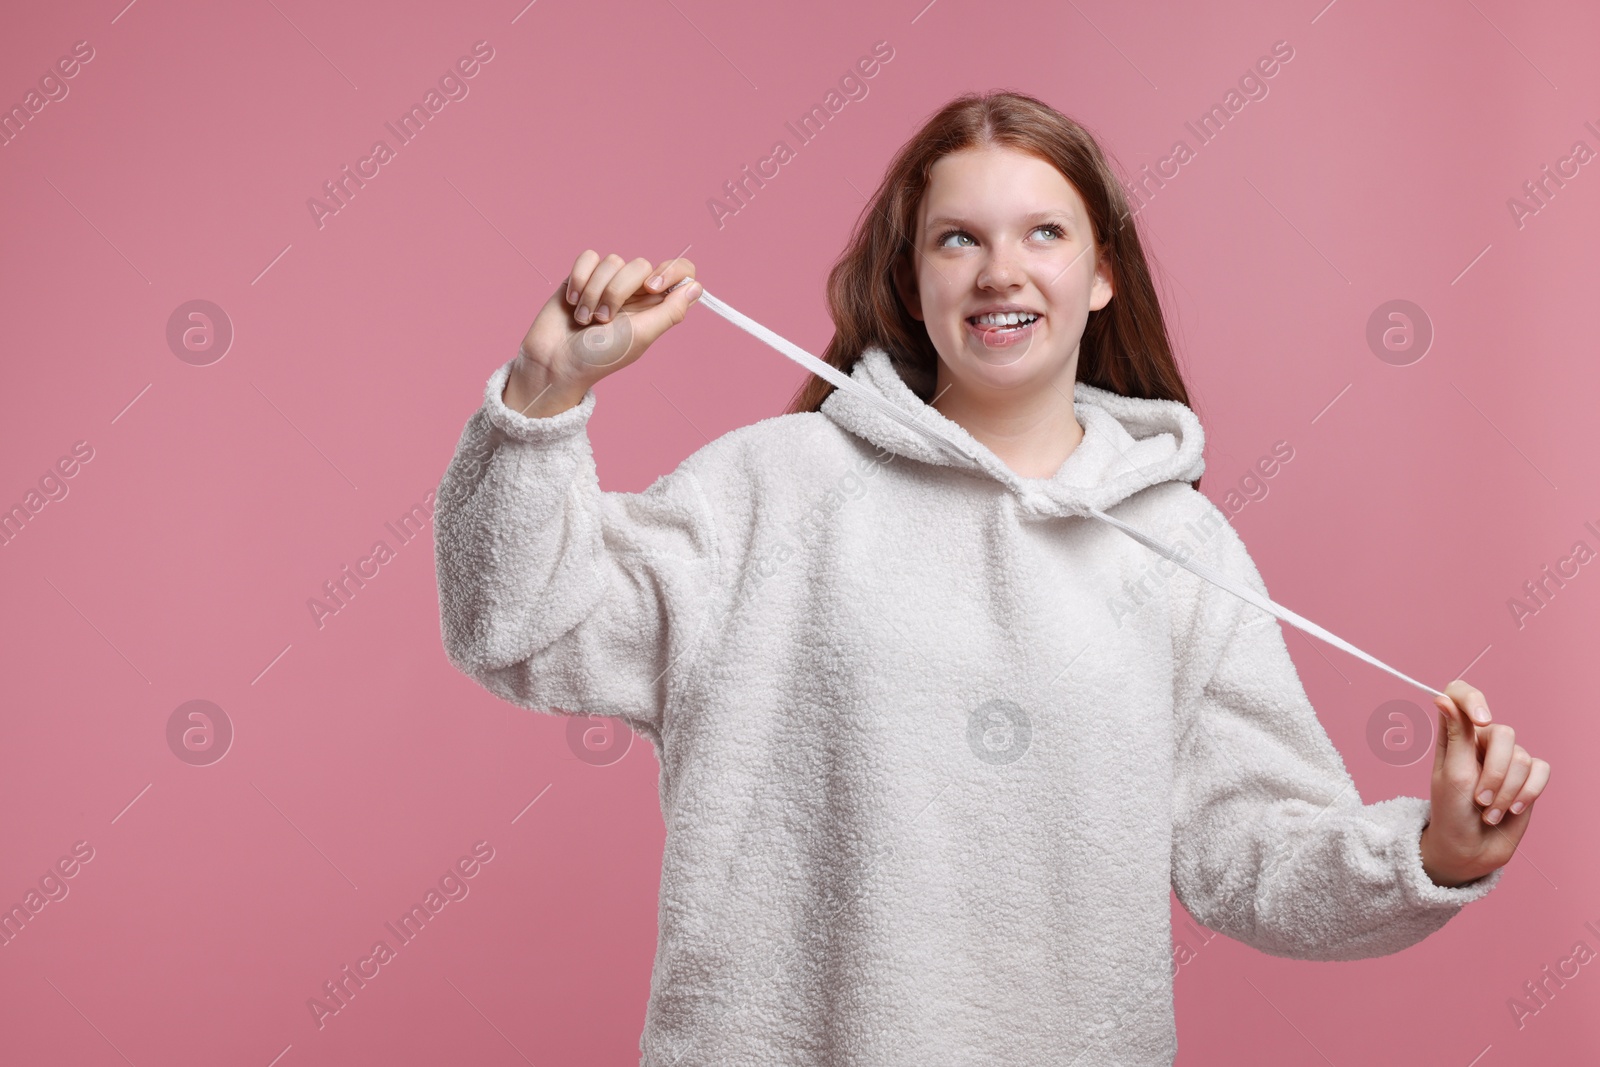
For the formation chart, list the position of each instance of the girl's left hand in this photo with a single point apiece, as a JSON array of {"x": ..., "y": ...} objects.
[{"x": 1484, "y": 786}]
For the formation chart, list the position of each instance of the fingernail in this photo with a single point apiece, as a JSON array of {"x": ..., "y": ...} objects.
[
  {"x": 1485, "y": 796},
  {"x": 602, "y": 313},
  {"x": 1493, "y": 816},
  {"x": 572, "y": 296},
  {"x": 1516, "y": 809},
  {"x": 1481, "y": 713},
  {"x": 695, "y": 289},
  {"x": 654, "y": 281},
  {"x": 582, "y": 314}
]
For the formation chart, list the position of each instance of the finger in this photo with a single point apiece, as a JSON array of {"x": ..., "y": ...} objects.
[
  {"x": 622, "y": 285},
  {"x": 669, "y": 272},
  {"x": 1470, "y": 700},
  {"x": 562, "y": 291},
  {"x": 1459, "y": 764},
  {"x": 1516, "y": 775},
  {"x": 1441, "y": 739},
  {"x": 652, "y": 322},
  {"x": 582, "y": 267},
  {"x": 598, "y": 279},
  {"x": 1538, "y": 778},
  {"x": 1497, "y": 750}
]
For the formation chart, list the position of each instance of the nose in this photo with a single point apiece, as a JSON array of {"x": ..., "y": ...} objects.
[{"x": 999, "y": 270}]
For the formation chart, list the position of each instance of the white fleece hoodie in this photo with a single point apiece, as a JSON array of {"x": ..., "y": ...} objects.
[{"x": 934, "y": 745}]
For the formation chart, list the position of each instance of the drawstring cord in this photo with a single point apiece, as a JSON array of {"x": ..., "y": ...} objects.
[{"x": 936, "y": 436}]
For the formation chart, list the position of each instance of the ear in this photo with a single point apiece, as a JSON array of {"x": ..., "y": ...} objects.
[
  {"x": 1100, "y": 291},
  {"x": 905, "y": 283}
]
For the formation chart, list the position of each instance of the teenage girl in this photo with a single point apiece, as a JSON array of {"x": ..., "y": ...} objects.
[{"x": 935, "y": 746}]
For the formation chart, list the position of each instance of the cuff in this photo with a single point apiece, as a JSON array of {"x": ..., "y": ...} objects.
[
  {"x": 1409, "y": 815},
  {"x": 520, "y": 427}
]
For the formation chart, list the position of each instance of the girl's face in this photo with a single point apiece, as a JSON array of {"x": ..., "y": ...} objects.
[{"x": 1003, "y": 231}]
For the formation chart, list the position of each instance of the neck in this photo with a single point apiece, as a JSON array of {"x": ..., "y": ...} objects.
[{"x": 1032, "y": 429}]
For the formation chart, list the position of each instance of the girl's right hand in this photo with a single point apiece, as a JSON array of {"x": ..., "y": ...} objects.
[{"x": 601, "y": 318}]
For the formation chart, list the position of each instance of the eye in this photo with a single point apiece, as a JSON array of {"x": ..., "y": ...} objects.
[{"x": 1058, "y": 231}]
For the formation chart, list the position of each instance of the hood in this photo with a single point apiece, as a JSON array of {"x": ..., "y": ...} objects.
[{"x": 1129, "y": 443}]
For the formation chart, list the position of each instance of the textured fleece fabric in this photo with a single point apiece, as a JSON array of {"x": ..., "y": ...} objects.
[{"x": 935, "y": 746}]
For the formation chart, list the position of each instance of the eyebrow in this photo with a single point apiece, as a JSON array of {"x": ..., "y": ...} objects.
[{"x": 1032, "y": 216}]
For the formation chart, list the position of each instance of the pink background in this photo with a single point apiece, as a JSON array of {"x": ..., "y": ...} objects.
[{"x": 221, "y": 497}]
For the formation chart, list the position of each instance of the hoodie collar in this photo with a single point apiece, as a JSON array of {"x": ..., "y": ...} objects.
[{"x": 1129, "y": 443}]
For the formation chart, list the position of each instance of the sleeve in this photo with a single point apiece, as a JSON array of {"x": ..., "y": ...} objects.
[
  {"x": 555, "y": 595},
  {"x": 1272, "y": 844}
]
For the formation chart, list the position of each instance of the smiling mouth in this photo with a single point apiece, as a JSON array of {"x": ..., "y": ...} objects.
[{"x": 999, "y": 330}]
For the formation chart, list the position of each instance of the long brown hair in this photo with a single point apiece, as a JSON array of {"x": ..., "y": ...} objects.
[{"x": 1124, "y": 348}]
